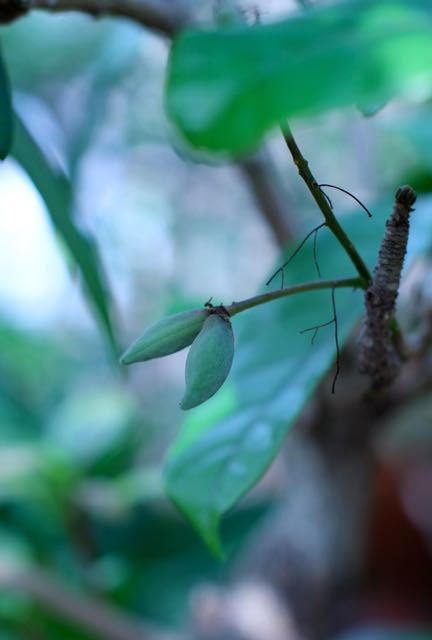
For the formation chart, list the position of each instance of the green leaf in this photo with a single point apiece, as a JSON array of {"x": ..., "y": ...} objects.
[
  {"x": 226, "y": 88},
  {"x": 6, "y": 119},
  {"x": 56, "y": 192},
  {"x": 275, "y": 371}
]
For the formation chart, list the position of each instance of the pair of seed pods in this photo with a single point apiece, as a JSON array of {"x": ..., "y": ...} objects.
[{"x": 210, "y": 334}]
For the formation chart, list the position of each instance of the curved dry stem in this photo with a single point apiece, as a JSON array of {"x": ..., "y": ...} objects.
[{"x": 314, "y": 285}]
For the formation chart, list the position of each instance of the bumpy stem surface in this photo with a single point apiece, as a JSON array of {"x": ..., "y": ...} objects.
[{"x": 377, "y": 355}]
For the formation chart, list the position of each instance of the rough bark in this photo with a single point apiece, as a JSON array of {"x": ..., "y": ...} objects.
[{"x": 377, "y": 354}]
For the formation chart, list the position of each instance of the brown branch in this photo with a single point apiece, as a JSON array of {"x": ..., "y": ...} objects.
[
  {"x": 91, "y": 615},
  {"x": 314, "y": 285},
  {"x": 377, "y": 355},
  {"x": 322, "y": 202},
  {"x": 164, "y": 17}
]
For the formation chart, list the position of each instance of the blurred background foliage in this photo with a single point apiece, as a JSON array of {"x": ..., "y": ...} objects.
[{"x": 81, "y": 441}]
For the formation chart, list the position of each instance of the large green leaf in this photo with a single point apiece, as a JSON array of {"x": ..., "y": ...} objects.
[
  {"x": 226, "y": 88},
  {"x": 6, "y": 121},
  {"x": 55, "y": 190},
  {"x": 215, "y": 461}
]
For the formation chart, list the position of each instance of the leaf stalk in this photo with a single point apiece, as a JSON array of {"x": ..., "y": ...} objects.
[{"x": 314, "y": 285}]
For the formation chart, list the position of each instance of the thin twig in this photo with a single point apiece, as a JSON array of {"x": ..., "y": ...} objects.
[
  {"x": 282, "y": 279},
  {"x": 295, "y": 252},
  {"x": 314, "y": 252},
  {"x": 333, "y": 186},
  {"x": 336, "y": 337},
  {"x": 327, "y": 197},
  {"x": 314, "y": 285},
  {"x": 316, "y": 328},
  {"x": 320, "y": 199}
]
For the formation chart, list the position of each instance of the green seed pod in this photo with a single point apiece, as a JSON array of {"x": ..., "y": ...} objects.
[
  {"x": 209, "y": 360},
  {"x": 166, "y": 336}
]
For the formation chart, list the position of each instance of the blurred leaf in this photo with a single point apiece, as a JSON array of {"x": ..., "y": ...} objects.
[
  {"x": 226, "y": 88},
  {"x": 19, "y": 466},
  {"x": 93, "y": 423},
  {"x": 370, "y": 109},
  {"x": 6, "y": 119},
  {"x": 53, "y": 53},
  {"x": 164, "y": 558},
  {"x": 275, "y": 372},
  {"x": 56, "y": 192},
  {"x": 15, "y": 552},
  {"x": 15, "y": 555},
  {"x": 113, "y": 500},
  {"x": 35, "y": 474},
  {"x": 415, "y": 129},
  {"x": 17, "y": 422},
  {"x": 27, "y": 359},
  {"x": 115, "y": 59}
]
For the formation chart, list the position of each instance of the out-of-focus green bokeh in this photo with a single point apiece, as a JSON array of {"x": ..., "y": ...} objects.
[{"x": 82, "y": 441}]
